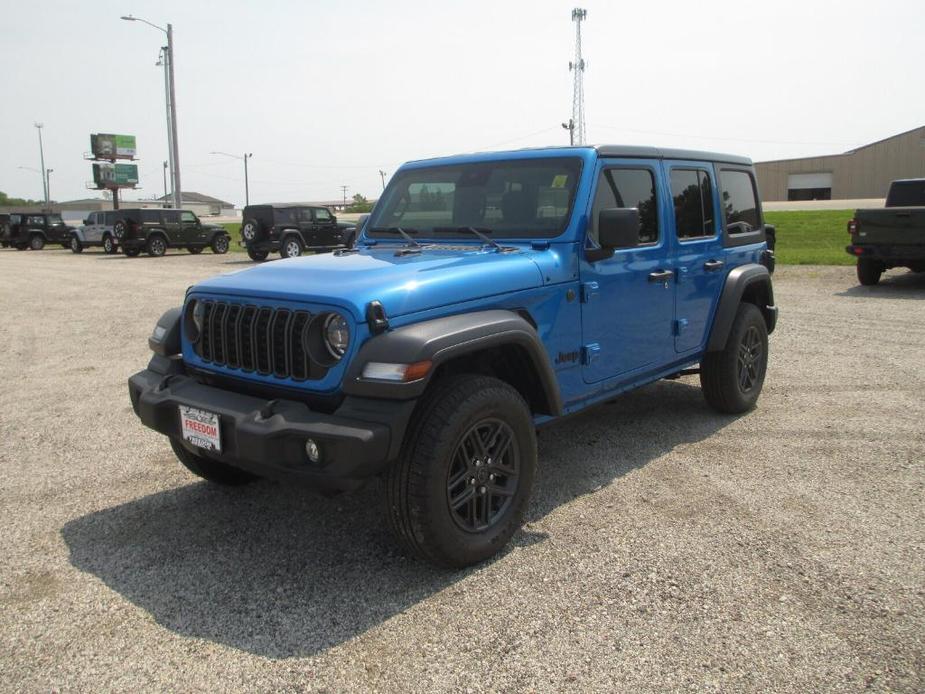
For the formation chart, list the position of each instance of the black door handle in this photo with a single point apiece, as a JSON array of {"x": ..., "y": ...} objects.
[
  {"x": 713, "y": 265},
  {"x": 660, "y": 275}
]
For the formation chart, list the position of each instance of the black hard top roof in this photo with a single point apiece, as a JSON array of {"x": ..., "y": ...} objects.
[
  {"x": 634, "y": 151},
  {"x": 285, "y": 205}
]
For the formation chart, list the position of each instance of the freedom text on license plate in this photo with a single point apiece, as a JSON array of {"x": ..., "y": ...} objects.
[{"x": 201, "y": 428}]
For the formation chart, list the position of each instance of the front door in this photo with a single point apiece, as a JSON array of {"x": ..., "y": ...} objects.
[
  {"x": 325, "y": 227},
  {"x": 628, "y": 299},
  {"x": 700, "y": 257},
  {"x": 190, "y": 231}
]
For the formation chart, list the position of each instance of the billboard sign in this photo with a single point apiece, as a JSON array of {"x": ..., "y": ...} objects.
[
  {"x": 115, "y": 175},
  {"x": 106, "y": 146}
]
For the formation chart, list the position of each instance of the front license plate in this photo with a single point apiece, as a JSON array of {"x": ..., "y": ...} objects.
[{"x": 201, "y": 428}]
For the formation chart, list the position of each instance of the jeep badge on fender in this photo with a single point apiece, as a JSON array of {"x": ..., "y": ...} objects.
[{"x": 486, "y": 295}]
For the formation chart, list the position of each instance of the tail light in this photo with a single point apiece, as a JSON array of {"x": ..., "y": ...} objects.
[{"x": 852, "y": 226}]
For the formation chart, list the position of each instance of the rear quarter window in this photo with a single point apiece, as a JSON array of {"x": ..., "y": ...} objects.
[
  {"x": 906, "y": 194},
  {"x": 151, "y": 216},
  {"x": 740, "y": 201}
]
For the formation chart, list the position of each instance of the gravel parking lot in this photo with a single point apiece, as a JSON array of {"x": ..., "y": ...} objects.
[{"x": 667, "y": 548}]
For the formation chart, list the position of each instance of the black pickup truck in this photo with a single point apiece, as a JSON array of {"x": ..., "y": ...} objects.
[{"x": 892, "y": 236}]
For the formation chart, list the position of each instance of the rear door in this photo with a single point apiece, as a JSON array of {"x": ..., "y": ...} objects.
[
  {"x": 627, "y": 299},
  {"x": 699, "y": 259}
]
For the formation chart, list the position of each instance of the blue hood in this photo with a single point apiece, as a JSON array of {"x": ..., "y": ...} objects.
[{"x": 404, "y": 284}]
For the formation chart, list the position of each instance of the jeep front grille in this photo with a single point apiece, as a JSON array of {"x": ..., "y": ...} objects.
[{"x": 259, "y": 339}]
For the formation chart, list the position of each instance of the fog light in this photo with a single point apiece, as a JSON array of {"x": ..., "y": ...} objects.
[{"x": 312, "y": 451}]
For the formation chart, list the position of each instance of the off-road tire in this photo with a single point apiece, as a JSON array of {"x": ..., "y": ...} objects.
[
  {"x": 21, "y": 246},
  {"x": 36, "y": 242},
  {"x": 291, "y": 247},
  {"x": 110, "y": 247},
  {"x": 156, "y": 246},
  {"x": 724, "y": 385},
  {"x": 869, "y": 271},
  {"x": 220, "y": 244},
  {"x": 211, "y": 470},
  {"x": 76, "y": 246},
  {"x": 256, "y": 255},
  {"x": 417, "y": 485},
  {"x": 255, "y": 225},
  {"x": 195, "y": 250},
  {"x": 132, "y": 252}
]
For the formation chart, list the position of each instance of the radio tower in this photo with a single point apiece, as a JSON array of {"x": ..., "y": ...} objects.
[{"x": 577, "y": 124}]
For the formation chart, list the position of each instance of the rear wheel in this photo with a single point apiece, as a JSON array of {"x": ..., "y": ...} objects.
[
  {"x": 291, "y": 247},
  {"x": 36, "y": 242},
  {"x": 732, "y": 379},
  {"x": 76, "y": 245},
  {"x": 109, "y": 245},
  {"x": 869, "y": 271},
  {"x": 256, "y": 255},
  {"x": 156, "y": 246},
  {"x": 211, "y": 470},
  {"x": 219, "y": 244},
  {"x": 462, "y": 484}
]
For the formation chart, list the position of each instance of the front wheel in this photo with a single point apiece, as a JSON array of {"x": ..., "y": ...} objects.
[
  {"x": 76, "y": 245},
  {"x": 732, "y": 379},
  {"x": 291, "y": 247},
  {"x": 219, "y": 244},
  {"x": 869, "y": 271},
  {"x": 211, "y": 470},
  {"x": 109, "y": 245},
  {"x": 461, "y": 487},
  {"x": 36, "y": 243}
]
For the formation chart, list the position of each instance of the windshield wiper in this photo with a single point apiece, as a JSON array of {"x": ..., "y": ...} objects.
[
  {"x": 481, "y": 233},
  {"x": 406, "y": 233}
]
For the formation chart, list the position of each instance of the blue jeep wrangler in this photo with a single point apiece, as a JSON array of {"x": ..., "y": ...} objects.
[{"x": 487, "y": 295}]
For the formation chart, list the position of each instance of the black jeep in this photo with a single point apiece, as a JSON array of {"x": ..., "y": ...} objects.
[
  {"x": 4, "y": 230},
  {"x": 35, "y": 229},
  {"x": 156, "y": 230},
  {"x": 291, "y": 229}
]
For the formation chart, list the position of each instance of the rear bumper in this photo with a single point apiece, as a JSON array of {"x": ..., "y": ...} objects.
[
  {"x": 889, "y": 254},
  {"x": 267, "y": 437}
]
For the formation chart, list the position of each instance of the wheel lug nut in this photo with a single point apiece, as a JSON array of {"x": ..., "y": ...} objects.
[
  {"x": 491, "y": 477},
  {"x": 481, "y": 490}
]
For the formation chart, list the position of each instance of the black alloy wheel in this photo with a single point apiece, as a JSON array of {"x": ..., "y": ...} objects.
[
  {"x": 482, "y": 478},
  {"x": 109, "y": 246},
  {"x": 220, "y": 244},
  {"x": 749, "y": 363},
  {"x": 157, "y": 246}
]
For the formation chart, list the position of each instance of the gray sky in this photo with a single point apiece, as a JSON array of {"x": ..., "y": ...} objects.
[{"x": 327, "y": 93}]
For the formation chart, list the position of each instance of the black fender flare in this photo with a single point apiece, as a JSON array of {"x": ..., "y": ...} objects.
[
  {"x": 739, "y": 280},
  {"x": 165, "y": 339},
  {"x": 442, "y": 339}
]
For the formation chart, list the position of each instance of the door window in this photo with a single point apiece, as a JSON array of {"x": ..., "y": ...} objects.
[
  {"x": 740, "y": 204},
  {"x": 306, "y": 216},
  {"x": 171, "y": 217},
  {"x": 108, "y": 218},
  {"x": 627, "y": 188},
  {"x": 322, "y": 214},
  {"x": 692, "y": 193},
  {"x": 188, "y": 217},
  {"x": 91, "y": 219},
  {"x": 38, "y": 221}
]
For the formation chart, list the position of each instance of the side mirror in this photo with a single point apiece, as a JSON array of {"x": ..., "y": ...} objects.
[
  {"x": 618, "y": 228},
  {"x": 87, "y": 222}
]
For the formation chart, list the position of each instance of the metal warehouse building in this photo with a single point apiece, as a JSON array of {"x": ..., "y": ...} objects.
[{"x": 864, "y": 172}]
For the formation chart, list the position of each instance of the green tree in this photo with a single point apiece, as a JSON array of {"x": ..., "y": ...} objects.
[
  {"x": 7, "y": 201},
  {"x": 359, "y": 204}
]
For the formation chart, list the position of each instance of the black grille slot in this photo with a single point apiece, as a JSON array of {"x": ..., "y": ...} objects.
[{"x": 257, "y": 338}]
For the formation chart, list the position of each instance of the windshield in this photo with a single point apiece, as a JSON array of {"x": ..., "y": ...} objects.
[
  {"x": 55, "y": 219},
  {"x": 521, "y": 198}
]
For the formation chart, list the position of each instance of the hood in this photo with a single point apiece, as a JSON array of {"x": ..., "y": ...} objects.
[{"x": 404, "y": 284}]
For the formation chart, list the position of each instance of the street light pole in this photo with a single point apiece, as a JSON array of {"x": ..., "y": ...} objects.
[
  {"x": 48, "y": 185},
  {"x": 39, "y": 127},
  {"x": 171, "y": 106},
  {"x": 247, "y": 155},
  {"x": 382, "y": 175},
  {"x": 165, "y": 181}
]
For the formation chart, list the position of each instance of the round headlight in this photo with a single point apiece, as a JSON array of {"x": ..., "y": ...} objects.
[
  {"x": 336, "y": 335},
  {"x": 195, "y": 315}
]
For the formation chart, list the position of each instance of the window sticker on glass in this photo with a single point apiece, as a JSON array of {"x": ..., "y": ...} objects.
[{"x": 559, "y": 181}]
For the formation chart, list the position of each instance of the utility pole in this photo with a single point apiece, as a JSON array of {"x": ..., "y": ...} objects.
[
  {"x": 247, "y": 155},
  {"x": 570, "y": 126},
  {"x": 344, "y": 188},
  {"x": 48, "y": 186},
  {"x": 382, "y": 175},
  {"x": 167, "y": 53},
  {"x": 578, "y": 88},
  {"x": 165, "y": 181},
  {"x": 39, "y": 127},
  {"x": 164, "y": 62}
]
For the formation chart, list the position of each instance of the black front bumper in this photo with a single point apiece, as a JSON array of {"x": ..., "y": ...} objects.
[{"x": 267, "y": 437}]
